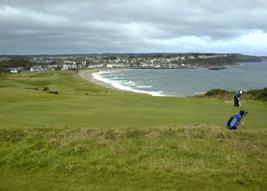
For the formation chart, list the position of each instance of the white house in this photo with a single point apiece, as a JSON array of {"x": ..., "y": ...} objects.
[
  {"x": 65, "y": 67},
  {"x": 83, "y": 63},
  {"x": 96, "y": 66},
  {"x": 191, "y": 57},
  {"x": 36, "y": 68},
  {"x": 72, "y": 66},
  {"x": 110, "y": 65},
  {"x": 14, "y": 70}
]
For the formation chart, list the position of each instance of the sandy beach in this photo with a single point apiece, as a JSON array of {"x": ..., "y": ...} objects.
[{"x": 87, "y": 75}]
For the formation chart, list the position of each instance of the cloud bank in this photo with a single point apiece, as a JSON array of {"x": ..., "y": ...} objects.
[{"x": 136, "y": 26}]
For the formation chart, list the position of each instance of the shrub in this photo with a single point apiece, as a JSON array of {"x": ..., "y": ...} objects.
[
  {"x": 258, "y": 94},
  {"x": 214, "y": 92}
]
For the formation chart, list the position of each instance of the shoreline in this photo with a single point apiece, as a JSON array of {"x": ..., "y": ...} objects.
[{"x": 87, "y": 74}]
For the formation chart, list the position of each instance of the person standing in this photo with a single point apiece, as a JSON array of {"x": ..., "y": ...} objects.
[{"x": 237, "y": 97}]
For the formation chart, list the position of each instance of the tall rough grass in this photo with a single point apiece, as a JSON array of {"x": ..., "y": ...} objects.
[{"x": 193, "y": 157}]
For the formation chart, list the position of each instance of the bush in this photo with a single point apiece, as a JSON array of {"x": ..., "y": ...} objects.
[
  {"x": 258, "y": 94},
  {"x": 214, "y": 92}
]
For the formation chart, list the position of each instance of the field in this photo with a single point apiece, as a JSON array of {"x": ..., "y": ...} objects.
[{"x": 88, "y": 137}]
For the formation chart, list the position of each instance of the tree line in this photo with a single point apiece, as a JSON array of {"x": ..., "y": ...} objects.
[{"x": 15, "y": 63}]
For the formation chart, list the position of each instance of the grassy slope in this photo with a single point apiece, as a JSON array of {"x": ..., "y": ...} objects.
[
  {"x": 24, "y": 108},
  {"x": 123, "y": 141},
  {"x": 171, "y": 158}
]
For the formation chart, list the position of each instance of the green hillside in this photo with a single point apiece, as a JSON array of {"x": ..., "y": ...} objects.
[
  {"x": 79, "y": 103},
  {"x": 88, "y": 137},
  {"x": 247, "y": 58}
]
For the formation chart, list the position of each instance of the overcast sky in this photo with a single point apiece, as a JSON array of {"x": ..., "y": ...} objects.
[{"x": 133, "y": 26}]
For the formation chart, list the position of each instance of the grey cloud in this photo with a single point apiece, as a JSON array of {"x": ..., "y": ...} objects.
[{"x": 124, "y": 25}]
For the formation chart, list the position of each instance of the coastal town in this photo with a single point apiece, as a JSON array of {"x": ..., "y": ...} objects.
[{"x": 134, "y": 61}]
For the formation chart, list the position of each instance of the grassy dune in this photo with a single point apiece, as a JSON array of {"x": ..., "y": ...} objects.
[{"x": 88, "y": 138}]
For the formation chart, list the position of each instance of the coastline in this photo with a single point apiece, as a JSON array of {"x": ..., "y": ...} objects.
[
  {"x": 178, "y": 83},
  {"x": 87, "y": 74}
]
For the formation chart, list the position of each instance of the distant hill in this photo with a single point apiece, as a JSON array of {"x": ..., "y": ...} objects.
[{"x": 247, "y": 58}]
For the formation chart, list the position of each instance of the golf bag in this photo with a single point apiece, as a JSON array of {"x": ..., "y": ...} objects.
[{"x": 234, "y": 121}]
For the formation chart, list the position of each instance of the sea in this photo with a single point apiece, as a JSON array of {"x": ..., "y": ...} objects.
[{"x": 187, "y": 82}]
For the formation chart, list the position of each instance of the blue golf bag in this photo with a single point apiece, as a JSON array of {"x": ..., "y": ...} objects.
[{"x": 233, "y": 122}]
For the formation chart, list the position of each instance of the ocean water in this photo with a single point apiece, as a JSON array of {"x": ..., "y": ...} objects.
[{"x": 187, "y": 82}]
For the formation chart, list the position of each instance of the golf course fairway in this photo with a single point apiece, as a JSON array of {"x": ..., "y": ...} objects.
[{"x": 89, "y": 137}]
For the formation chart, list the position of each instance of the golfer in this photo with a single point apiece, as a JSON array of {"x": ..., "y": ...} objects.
[{"x": 237, "y": 99}]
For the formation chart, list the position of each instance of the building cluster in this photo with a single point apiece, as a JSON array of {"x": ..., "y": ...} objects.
[{"x": 73, "y": 62}]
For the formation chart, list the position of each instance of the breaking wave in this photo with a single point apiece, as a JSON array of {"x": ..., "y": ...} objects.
[{"x": 124, "y": 85}]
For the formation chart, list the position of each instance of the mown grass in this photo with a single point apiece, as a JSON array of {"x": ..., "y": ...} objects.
[
  {"x": 195, "y": 157},
  {"x": 82, "y": 104},
  {"x": 88, "y": 138}
]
